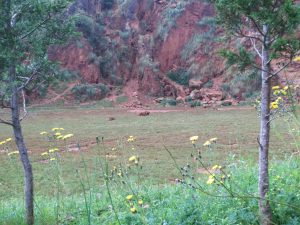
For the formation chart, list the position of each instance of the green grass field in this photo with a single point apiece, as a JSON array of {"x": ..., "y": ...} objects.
[
  {"x": 235, "y": 128},
  {"x": 71, "y": 189}
]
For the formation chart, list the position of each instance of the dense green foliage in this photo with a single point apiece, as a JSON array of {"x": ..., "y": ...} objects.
[
  {"x": 107, "y": 4},
  {"x": 180, "y": 76},
  {"x": 176, "y": 204},
  {"x": 84, "y": 92},
  {"x": 27, "y": 29},
  {"x": 239, "y": 18}
]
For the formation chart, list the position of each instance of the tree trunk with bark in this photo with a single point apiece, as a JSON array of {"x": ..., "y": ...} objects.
[
  {"x": 28, "y": 176},
  {"x": 264, "y": 206}
]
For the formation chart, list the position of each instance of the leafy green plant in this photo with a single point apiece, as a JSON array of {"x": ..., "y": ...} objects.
[
  {"x": 84, "y": 92},
  {"x": 180, "y": 76},
  {"x": 107, "y": 4}
]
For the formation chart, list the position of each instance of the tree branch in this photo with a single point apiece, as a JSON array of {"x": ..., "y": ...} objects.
[
  {"x": 255, "y": 48},
  {"x": 36, "y": 27},
  {"x": 256, "y": 26},
  {"x": 6, "y": 122},
  {"x": 28, "y": 80},
  {"x": 24, "y": 107},
  {"x": 242, "y": 34},
  {"x": 278, "y": 71}
]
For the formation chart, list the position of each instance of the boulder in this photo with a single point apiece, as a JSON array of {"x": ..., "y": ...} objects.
[
  {"x": 195, "y": 84},
  {"x": 196, "y": 94}
]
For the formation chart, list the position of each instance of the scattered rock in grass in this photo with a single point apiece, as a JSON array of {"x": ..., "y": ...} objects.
[{"x": 144, "y": 113}]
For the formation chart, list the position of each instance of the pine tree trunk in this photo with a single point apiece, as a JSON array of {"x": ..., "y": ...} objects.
[
  {"x": 264, "y": 138},
  {"x": 28, "y": 176}
]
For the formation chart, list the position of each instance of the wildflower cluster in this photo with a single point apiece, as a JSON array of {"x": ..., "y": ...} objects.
[
  {"x": 134, "y": 159},
  {"x": 217, "y": 175},
  {"x": 131, "y": 139},
  {"x": 5, "y": 147},
  {"x": 50, "y": 154},
  {"x": 5, "y": 141},
  {"x": 296, "y": 59},
  {"x": 193, "y": 173},
  {"x": 134, "y": 202},
  {"x": 56, "y": 134},
  {"x": 207, "y": 143},
  {"x": 281, "y": 100}
]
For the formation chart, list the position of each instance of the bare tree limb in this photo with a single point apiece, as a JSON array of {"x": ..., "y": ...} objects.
[
  {"x": 24, "y": 106},
  {"x": 256, "y": 26},
  {"x": 242, "y": 34},
  {"x": 281, "y": 69},
  {"x": 28, "y": 80},
  {"x": 6, "y": 122},
  {"x": 255, "y": 48}
]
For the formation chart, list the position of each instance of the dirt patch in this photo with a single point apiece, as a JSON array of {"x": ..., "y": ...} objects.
[{"x": 157, "y": 110}]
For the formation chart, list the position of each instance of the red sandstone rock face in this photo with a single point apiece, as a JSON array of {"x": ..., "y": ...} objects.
[
  {"x": 169, "y": 52},
  {"x": 166, "y": 54},
  {"x": 76, "y": 58}
]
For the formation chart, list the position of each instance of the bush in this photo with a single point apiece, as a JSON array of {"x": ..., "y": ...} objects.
[
  {"x": 243, "y": 85},
  {"x": 85, "y": 92},
  {"x": 107, "y": 4},
  {"x": 168, "y": 102},
  {"x": 180, "y": 76},
  {"x": 209, "y": 84},
  {"x": 188, "y": 99},
  {"x": 195, "y": 103}
]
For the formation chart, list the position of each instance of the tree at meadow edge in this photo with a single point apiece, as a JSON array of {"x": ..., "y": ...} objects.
[
  {"x": 27, "y": 29},
  {"x": 270, "y": 26}
]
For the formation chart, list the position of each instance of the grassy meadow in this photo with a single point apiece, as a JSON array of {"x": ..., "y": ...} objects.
[{"x": 71, "y": 189}]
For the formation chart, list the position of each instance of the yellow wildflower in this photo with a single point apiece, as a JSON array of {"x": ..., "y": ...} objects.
[
  {"x": 210, "y": 180},
  {"x": 215, "y": 167},
  {"x": 274, "y": 105},
  {"x": 55, "y": 129},
  {"x": 61, "y": 128},
  {"x": 213, "y": 139},
  {"x": 13, "y": 153},
  {"x": 279, "y": 99},
  {"x": 275, "y": 87},
  {"x": 44, "y": 153},
  {"x": 140, "y": 202},
  {"x": 283, "y": 92},
  {"x": 132, "y": 158},
  {"x": 133, "y": 210},
  {"x": 67, "y": 136},
  {"x": 53, "y": 150},
  {"x": 207, "y": 143},
  {"x": 52, "y": 159},
  {"x": 113, "y": 149},
  {"x": 131, "y": 139},
  {"x": 296, "y": 59},
  {"x": 194, "y": 139},
  {"x": 43, "y": 133},
  {"x": 133, "y": 149},
  {"x": 286, "y": 87},
  {"x": 276, "y": 92},
  {"x": 129, "y": 197},
  {"x": 57, "y": 134},
  {"x": 8, "y": 139},
  {"x": 2, "y": 142},
  {"x": 60, "y": 137}
]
